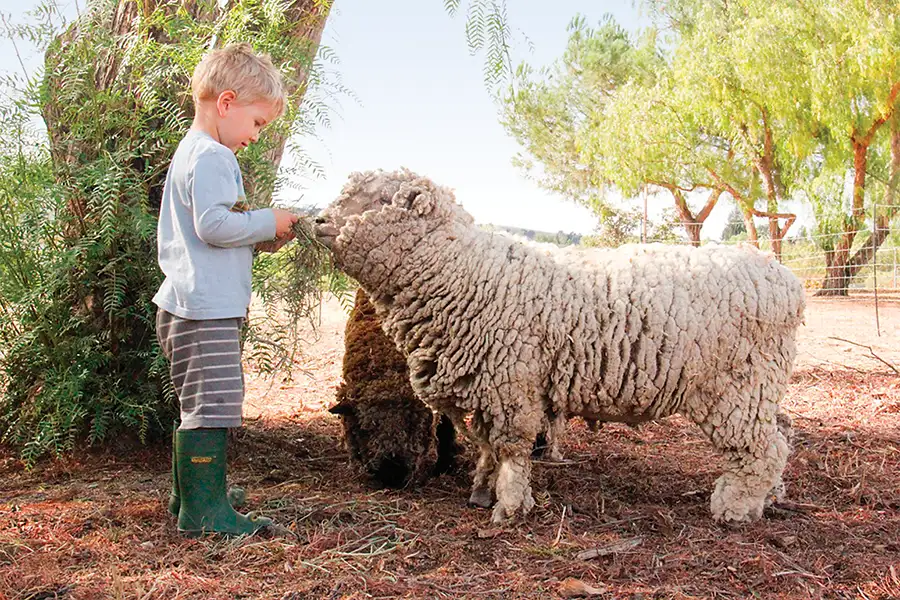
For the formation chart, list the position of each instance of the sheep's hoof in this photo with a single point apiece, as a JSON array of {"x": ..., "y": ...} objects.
[
  {"x": 499, "y": 515},
  {"x": 481, "y": 497},
  {"x": 736, "y": 518},
  {"x": 776, "y": 495},
  {"x": 554, "y": 455},
  {"x": 734, "y": 508},
  {"x": 528, "y": 502}
]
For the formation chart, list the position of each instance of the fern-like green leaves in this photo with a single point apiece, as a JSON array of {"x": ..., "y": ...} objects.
[
  {"x": 79, "y": 360},
  {"x": 488, "y": 31}
]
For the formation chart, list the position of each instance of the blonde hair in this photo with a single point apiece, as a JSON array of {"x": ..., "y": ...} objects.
[{"x": 236, "y": 67}]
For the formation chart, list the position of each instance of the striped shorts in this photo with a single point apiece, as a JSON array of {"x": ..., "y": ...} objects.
[{"x": 205, "y": 364}]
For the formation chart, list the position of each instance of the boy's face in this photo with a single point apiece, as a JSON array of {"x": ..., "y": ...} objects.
[{"x": 239, "y": 123}]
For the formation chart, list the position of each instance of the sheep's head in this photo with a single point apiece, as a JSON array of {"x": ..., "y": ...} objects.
[
  {"x": 397, "y": 443},
  {"x": 375, "y": 192},
  {"x": 392, "y": 440}
]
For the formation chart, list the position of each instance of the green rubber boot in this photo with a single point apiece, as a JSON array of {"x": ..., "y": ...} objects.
[
  {"x": 204, "y": 506},
  {"x": 236, "y": 495}
]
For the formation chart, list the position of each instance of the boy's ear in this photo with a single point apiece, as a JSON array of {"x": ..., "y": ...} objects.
[{"x": 224, "y": 102}]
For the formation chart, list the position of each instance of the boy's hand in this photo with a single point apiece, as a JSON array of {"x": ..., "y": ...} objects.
[{"x": 284, "y": 220}]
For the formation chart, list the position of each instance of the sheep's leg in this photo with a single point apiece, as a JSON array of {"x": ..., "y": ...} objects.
[
  {"x": 484, "y": 474},
  {"x": 546, "y": 445},
  {"x": 555, "y": 432},
  {"x": 745, "y": 430},
  {"x": 513, "y": 487},
  {"x": 784, "y": 426},
  {"x": 486, "y": 467},
  {"x": 750, "y": 478}
]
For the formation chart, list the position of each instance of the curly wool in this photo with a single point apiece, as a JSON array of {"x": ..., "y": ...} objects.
[
  {"x": 390, "y": 434},
  {"x": 515, "y": 335}
]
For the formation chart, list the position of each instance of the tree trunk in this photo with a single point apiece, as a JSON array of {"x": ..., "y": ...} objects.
[
  {"x": 842, "y": 268},
  {"x": 750, "y": 225},
  {"x": 693, "y": 224},
  {"x": 836, "y": 281},
  {"x": 746, "y": 206},
  {"x": 310, "y": 17},
  {"x": 869, "y": 249},
  {"x": 771, "y": 181},
  {"x": 765, "y": 166},
  {"x": 837, "y": 276}
]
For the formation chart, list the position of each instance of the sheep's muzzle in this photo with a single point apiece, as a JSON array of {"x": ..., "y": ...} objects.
[
  {"x": 326, "y": 231},
  {"x": 392, "y": 472}
]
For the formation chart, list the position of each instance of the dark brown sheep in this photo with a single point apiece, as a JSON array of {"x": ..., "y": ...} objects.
[{"x": 391, "y": 434}]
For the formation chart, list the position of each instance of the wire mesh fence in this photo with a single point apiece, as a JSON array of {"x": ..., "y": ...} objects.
[
  {"x": 805, "y": 254},
  {"x": 852, "y": 317}
]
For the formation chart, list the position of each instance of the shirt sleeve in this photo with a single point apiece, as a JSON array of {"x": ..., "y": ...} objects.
[{"x": 214, "y": 190}]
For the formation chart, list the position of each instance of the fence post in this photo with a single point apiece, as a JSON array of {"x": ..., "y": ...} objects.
[{"x": 875, "y": 267}]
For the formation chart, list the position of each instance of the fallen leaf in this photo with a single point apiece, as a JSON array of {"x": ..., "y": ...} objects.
[
  {"x": 784, "y": 541},
  {"x": 489, "y": 533},
  {"x": 575, "y": 588}
]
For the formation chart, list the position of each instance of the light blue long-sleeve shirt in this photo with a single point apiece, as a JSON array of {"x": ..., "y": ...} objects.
[{"x": 206, "y": 248}]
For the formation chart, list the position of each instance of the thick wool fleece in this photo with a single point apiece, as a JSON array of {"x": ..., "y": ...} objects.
[
  {"x": 389, "y": 432},
  {"x": 514, "y": 335}
]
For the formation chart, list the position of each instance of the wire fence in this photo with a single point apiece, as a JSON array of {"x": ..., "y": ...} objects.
[
  {"x": 850, "y": 322},
  {"x": 805, "y": 255}
]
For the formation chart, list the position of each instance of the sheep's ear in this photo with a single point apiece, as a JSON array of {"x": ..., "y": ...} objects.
[
  {"x": 416, "y": 199},
  {"x": 341, "y": 409},
  {"x": 423, "y": 204}
]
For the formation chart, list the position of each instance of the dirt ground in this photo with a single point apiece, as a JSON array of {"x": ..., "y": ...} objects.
[{"x": 626, "y": 516}]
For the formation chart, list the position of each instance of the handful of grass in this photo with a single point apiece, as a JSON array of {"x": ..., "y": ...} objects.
[{"x": 296, "y": 277}]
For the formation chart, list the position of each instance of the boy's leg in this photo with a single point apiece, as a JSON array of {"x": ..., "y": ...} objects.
[
  {"x": 236, "y": 495},
  {"x": 206, "y": 372},
  {"x": 201, "y": 477}
]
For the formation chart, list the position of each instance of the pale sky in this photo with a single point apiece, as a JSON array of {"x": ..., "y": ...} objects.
[{"x": 422, "y": 104}]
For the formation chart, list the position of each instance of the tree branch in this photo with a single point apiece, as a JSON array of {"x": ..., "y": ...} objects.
[{"x": 871, "y": 352}]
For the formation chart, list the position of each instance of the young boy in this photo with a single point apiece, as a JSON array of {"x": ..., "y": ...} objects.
[{"x": 206, "y": 243}]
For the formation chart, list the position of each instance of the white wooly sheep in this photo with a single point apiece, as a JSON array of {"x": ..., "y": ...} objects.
[{"x": 513, "y": 335}]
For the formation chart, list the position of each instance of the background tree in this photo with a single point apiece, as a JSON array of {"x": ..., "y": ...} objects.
[
  {"x": 559, "y": 115},
  {"x": 854, "y": 82},
  {"x": 808, "y": 89},
  {"x": 617, "y": 114},
  {"x": 734, "y": 227},
  {"x": 764, "y": 101}
]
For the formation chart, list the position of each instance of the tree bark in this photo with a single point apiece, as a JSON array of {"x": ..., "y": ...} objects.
[
  {"x": 310, "y": 17},
  {"x": 867, "y": 252},
  {"x": 693, "y": 224},
  {"x": 767, "y": 168},
  {"x": 749, "y": 223},
  {"x": 837, "y": 275},
  {"x": 841, "y": 269}
]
